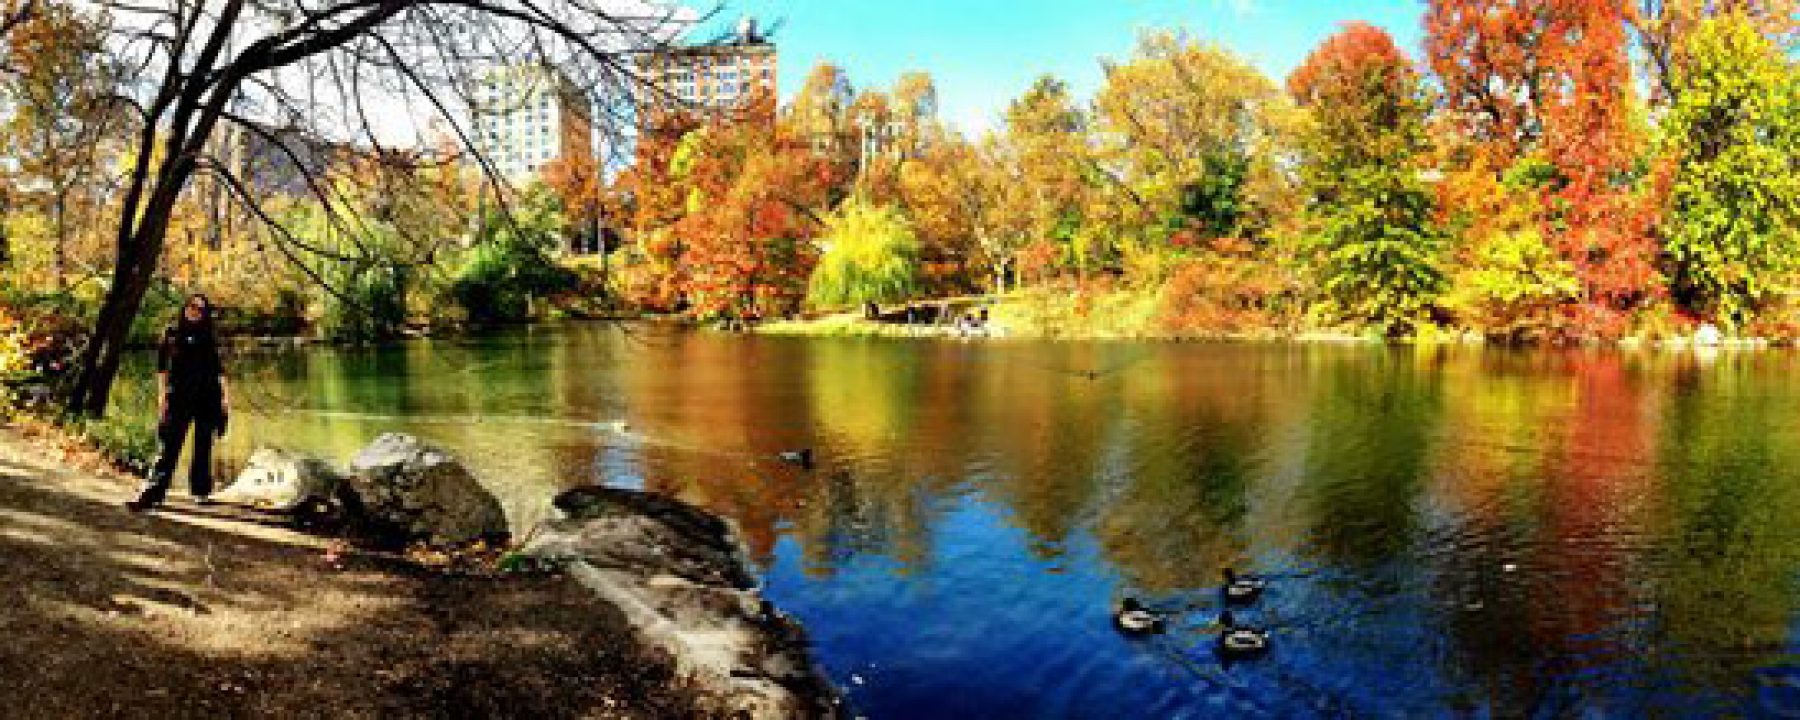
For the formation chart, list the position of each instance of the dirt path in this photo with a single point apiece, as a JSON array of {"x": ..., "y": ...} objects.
[{"x": 188, "y": 613}]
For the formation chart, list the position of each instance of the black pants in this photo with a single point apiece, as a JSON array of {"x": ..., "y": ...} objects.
[{"x": 201, "y": 414}]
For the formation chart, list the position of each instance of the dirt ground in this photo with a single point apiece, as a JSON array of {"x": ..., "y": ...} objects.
[{"x": 202, "y": 612}]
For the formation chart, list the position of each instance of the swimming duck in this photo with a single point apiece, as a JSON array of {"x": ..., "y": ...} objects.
[
  {"x": 1242, "y": 589},
  {"x": 802, "y": 457},
  {"x": 1236, "y": 641},
  {"x": 1132, "y": 618}
]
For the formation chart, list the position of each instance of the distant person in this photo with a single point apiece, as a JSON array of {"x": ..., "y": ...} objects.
[{"x": 191, "y": 392}]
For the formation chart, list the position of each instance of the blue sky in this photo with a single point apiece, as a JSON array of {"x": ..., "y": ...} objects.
[{"x": 983, "y": 53}]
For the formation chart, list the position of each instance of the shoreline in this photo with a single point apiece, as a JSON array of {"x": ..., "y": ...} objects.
[{"x": 853, "y": 325}]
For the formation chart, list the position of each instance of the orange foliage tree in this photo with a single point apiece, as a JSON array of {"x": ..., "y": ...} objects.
[
  {"x": 575, "y": 180},
  {"x": 754, "y": 193},
  {"x": 650, "y": 198}
]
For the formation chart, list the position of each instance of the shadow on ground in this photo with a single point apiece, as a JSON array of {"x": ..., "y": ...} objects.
[{"x": 104, "y": 613}]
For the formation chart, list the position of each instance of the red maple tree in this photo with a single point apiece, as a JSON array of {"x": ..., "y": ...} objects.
[{"x": 1551, "y": 79}]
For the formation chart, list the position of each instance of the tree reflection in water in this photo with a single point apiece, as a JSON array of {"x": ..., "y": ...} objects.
[{"x": 1451, "y": 530}]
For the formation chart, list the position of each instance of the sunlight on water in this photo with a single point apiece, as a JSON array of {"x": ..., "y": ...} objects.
[{"x": 1444, "y": 531}]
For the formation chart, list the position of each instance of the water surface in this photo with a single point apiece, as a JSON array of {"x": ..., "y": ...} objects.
[{"x": 1448, "y": 531}]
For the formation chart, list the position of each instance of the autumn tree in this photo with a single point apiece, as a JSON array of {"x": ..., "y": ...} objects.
[
  {"x": 1377, "y": 248},
  {"x": 1506, "y": 280},
  {"x": 1495, "y": 61},
  {"x": 580, "y": 189},
  {"x": 1188, "y": 135},
  {"x": 915, "y": 105},
  {"x": 649, "y": 197},
  {"x": 1603, "y": 219},
  {"x": 755, "y": 194},
  {"x": 1551, "y": 80},
  {"x": 873, "y": 127},
  {"x": 1663, "y": 29},
  {"x": 970, "y": 210},
  {"x": 14, "y": 13},
  {"x": 1046, "y": 135},
  {"x": 61, "y": 126},
  {"x": 820, "y": 112},
  {"x": 1733, "y": 231}
]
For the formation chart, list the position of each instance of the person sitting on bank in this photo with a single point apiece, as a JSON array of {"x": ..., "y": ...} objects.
[{"x": 191, "y": 392}]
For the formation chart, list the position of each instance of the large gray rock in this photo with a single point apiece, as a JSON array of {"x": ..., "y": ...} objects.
[
  {"x": 280, "y": 480},
  {"x": 419, "y": 492},
  {"x": 680, "y": 578}
]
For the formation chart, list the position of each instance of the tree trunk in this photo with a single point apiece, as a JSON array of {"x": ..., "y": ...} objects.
[
  {"x": 5, "y": 242},
  {"x": 59, "y": 256},
  {"x": 138, "y": 257}
]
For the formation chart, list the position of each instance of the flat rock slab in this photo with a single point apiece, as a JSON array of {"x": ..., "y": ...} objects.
[{"x": 679, "y": 576}]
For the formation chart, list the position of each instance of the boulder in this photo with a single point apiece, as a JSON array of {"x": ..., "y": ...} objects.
[
  {"x": 280, "y": 480},
  {"x": 414, "y": 491},
  {"x": 680, "y": 578}
]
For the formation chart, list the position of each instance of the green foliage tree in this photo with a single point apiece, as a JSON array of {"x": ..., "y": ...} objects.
[
  {"x": 511, "y": 264},
  {"x": 360, "y": 297},
  {"x": 1733, "y": 230},
  {"x": 871, "y": 256},
  {"x": 1376, "y": 244},
  {"x": 1377, "y": 249}
]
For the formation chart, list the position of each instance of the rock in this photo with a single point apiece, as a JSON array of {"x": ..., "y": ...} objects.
[
  {"x": 1707, "y": 336},
  {"x": 280, "y": 480},
  {"x": 679, "y": 577},
  {"x": 406, "y": 488}
]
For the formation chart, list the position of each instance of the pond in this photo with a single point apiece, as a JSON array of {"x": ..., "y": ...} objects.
[{"x": 1456, "y": 531}]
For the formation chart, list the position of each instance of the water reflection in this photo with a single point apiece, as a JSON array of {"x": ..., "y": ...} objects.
[{"x": 1449, "y": 530}]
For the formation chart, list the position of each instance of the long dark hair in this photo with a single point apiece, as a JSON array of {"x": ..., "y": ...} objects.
[{"x": 204, "y": 324}]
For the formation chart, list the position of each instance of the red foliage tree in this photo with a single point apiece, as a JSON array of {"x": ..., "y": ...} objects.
[
  {"x": 1493, "y": 59},
  {"x": 1362, "y": 88},
  {"x": 1552, "y": 79},
  {"x": 1605, "y": 229}
]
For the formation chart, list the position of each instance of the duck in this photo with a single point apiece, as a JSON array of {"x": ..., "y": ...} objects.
[
  {"x": 802, "y": 457},
  {"x": 1241, "y": 589},
  {"x": 1132, "y": 618},
  {"x": 1238, "y": 641}
]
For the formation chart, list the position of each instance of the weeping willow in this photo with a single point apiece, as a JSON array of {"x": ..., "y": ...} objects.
[{"x": 871, "y": 256}]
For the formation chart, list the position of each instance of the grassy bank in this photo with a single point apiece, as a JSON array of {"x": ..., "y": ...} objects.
[
  {"x": 1148, "y": 314},
  {"x": 1046, "y": 313}
]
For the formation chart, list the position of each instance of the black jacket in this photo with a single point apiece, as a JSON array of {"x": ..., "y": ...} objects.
[{"x": 190, "y": 355}]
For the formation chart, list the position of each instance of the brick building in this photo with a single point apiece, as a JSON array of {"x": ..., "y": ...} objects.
[{"x": 711, "y": 79}]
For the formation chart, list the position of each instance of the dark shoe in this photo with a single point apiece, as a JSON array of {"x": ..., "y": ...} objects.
[{"x": 142, "y": 504}]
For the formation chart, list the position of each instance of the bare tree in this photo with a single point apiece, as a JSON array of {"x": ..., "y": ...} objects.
[{"x": 353, "y": 71}]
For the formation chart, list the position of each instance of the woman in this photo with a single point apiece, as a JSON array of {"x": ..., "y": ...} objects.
[{"x": 191, "y": 391}]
